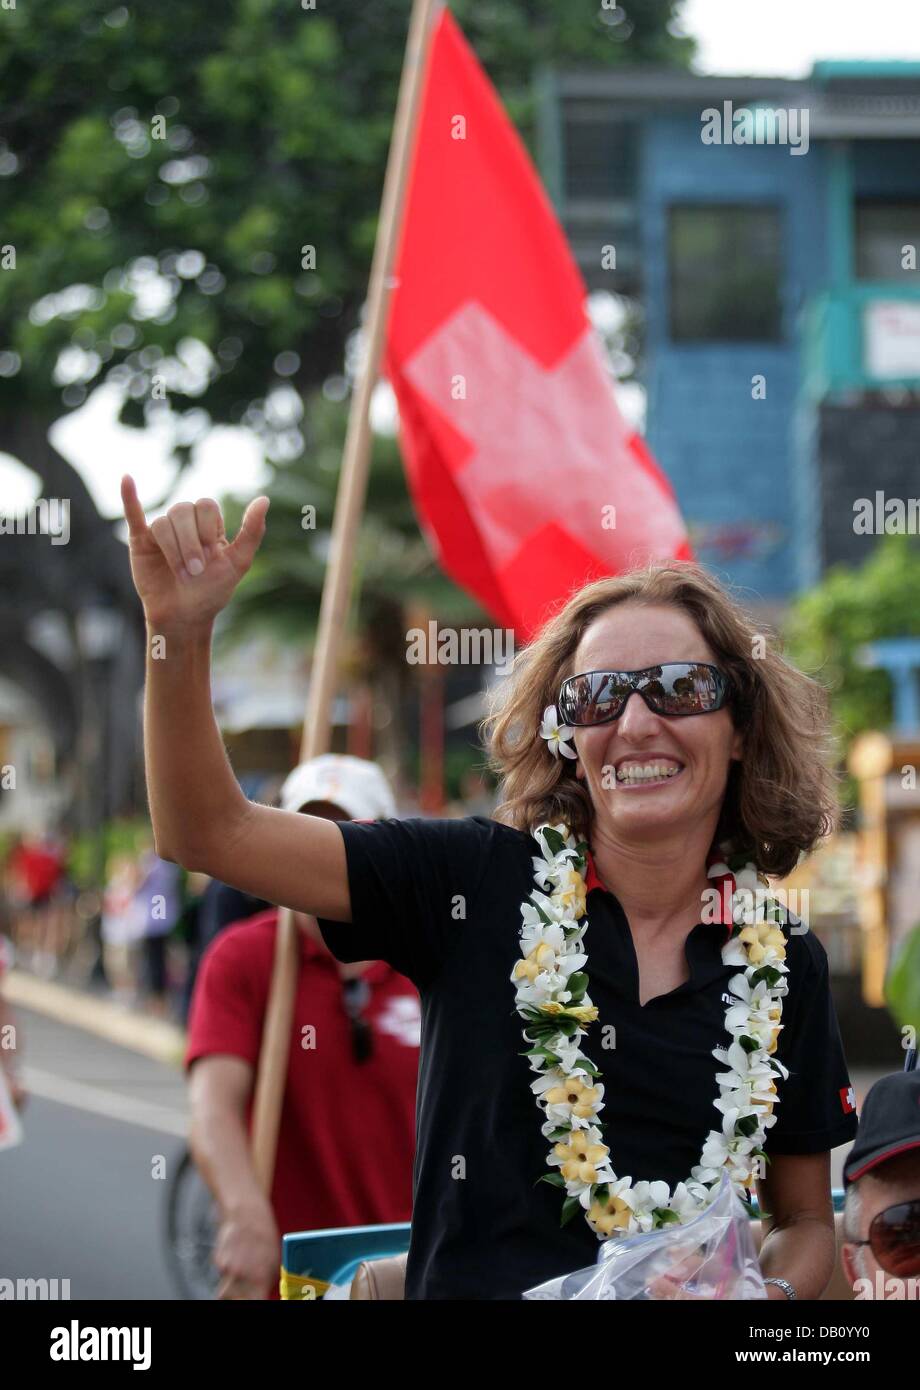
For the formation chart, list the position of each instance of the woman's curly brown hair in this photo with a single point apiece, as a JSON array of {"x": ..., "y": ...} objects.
[{"x": 779, "y": 802}]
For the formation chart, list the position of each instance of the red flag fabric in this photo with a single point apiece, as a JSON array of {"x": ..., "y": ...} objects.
[{"x": 525, "y": 478}]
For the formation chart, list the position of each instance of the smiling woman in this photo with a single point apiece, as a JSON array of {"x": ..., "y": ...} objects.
[
  {"x": 708, "y": 1046},
  {"x": 775, "y": 802},
  {"x": 638, "y": 740},
  {"x": 682, "y": 746}
]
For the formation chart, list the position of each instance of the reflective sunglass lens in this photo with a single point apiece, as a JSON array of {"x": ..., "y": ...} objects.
[
  {"x": 686, "y": 689},
  {"x": 895, "y": 1239},
  {"x": 592, "y": 698},
  {"x": 675, "y": 688}
]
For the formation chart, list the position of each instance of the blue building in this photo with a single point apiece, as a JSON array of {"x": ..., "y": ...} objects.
[{"x": 770, "y": 231}]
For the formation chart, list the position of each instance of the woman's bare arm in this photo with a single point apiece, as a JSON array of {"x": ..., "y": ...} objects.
[
  {"x": 799, "y": 1243},
  {"x": 185, "y": 571}
]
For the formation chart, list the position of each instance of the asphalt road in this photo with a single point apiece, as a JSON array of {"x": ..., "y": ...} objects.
[{"x": 83, "y": 1197}]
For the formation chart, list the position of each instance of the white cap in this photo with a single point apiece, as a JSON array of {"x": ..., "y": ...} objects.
[{"x": 355, "y": 784}]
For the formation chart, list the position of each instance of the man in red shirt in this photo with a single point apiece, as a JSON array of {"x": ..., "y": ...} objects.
[{"x": 347, "y": 1136}]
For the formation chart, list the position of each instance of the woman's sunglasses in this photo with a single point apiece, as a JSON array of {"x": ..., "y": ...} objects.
[
  {"x": 894, "y": 1236},
  {"x": 675, "y": 688}
]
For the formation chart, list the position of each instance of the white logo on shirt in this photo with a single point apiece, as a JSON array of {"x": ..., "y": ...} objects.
[{"x": 401, "y": 1017}]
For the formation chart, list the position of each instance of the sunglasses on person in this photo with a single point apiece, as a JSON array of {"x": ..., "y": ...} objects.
[
  {"x": 894, "y": 1236},
  {"x": 356, "y": 996},
  {"x": 675, "y": 688}
]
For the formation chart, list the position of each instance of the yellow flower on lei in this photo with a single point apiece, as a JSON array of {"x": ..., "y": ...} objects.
[
  {"x": 580, "y": 1157},
  {"x": 577, "y": 1094},
  {"x": 570, "y": 893},
  {"x": 609, "y": 1217},
  {"x": 761, "y": 937},
  {"x": 541, "y": 958},
  {"x": 584, "y": 1013}
]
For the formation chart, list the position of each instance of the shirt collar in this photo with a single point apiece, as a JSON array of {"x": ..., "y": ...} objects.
[{"x": 592, "y": 878}]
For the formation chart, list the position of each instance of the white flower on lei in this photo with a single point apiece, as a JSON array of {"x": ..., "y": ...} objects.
[
  {"x": 720, "y": 1150},
  {"x": 547, "y": 864},
  {"x": 643, "y": 1198},
  {"x": 580, "y": 1099},
  {"x": 568, "y": 1050},
  {"x": 688, "y": 1199},
  {"x": 549, "y": 960},
  {"x": 751, "y": 1077},
  {"x": 756, "y": 1015},
  {"x": 530, "y": 916}
]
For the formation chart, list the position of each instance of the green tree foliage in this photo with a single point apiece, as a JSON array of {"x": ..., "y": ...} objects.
[
  {"x": 902, "y": 987},
  {"x": 850, "y": 608},
  {"x": 164, "y": 166}
]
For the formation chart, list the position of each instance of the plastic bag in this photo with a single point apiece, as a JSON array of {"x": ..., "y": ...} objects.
[{"x": 712, "y": 1257}]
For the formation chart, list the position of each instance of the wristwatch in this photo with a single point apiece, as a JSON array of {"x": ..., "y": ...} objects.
[{"x": 784, "y": 1284}]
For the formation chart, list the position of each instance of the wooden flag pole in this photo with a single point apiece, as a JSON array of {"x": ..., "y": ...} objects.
[{"x": 276, "y": 1035}]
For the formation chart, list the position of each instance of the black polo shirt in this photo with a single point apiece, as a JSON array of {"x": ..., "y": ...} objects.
[{"x": 440, "y": 900}]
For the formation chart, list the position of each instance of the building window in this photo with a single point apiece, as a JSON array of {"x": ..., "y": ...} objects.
[
  {"x": 600, "y": 155},
  {"x": 883, "y": 228},
  {"x": 725, "y": 267}
]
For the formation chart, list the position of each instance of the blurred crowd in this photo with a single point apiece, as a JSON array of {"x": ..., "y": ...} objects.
[
  {"x": 142, "y": 935},
  {"x": 138, "y": 936}
]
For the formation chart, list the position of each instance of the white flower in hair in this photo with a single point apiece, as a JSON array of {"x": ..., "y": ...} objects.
[{"x": 556, "y": 734}]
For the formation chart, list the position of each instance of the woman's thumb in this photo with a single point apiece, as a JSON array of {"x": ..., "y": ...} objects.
[{"x": 249, "y": 536}]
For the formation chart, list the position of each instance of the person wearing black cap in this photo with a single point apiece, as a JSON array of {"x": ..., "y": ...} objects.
[{"x": 881, "y": 1250}]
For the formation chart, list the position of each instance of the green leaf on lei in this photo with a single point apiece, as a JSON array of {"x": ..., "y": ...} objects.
[
  {"x": 553, "y": 840},
  {"x": 569, "y": 1207},
  {"x": 768, "y": 973},
  {"x": 578, "y": 986},
  {"x": 544, "y": 1052}
]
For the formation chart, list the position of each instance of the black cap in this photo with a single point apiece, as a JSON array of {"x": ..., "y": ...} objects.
[{"x": 888, "y": 1125}]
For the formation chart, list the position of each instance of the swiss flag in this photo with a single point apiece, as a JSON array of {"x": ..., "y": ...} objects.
[
  {"x": 847, "y": 1099},
  {"x": 526, "y": 479}
]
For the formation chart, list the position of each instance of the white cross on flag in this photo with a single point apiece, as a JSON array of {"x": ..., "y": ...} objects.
[{"x": 526, "y": 479}]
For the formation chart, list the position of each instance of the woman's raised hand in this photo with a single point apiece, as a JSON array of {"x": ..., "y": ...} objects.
[{"x": 184, "y": 568}]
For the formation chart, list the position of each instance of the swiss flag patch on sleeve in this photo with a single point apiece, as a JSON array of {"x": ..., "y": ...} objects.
[{"x": 847, "y": 1099}]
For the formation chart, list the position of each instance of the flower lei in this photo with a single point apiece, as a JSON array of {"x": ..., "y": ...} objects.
[{"x": 552, "y": 999}]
